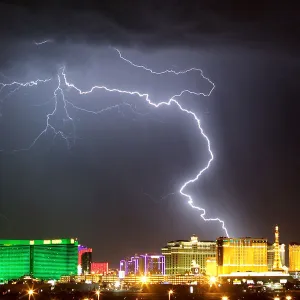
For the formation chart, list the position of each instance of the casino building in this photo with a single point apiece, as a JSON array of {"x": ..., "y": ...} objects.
[
  {"x": 241, "y": 255},
  {"x": 188, "y": 256},
  {"x": 42, "y": 259}
]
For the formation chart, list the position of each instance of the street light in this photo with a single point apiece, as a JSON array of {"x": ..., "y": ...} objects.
[
  {"x": 30, "y": 293},
  {"x": 224, "y": 298},
  {"x": 288, "y": 297},
  {"x": 170, "y": 293},
  {"x": 212, "y": 280},
  {"x": 98, "y": 294},
  {"x": 144, "y": 279}
]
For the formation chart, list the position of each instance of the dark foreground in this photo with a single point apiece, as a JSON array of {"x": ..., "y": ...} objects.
[
  {"x": 76, "y": 291},
  {"x": 149, "y": 296}
]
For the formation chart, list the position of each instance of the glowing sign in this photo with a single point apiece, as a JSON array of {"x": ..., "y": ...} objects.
[
  {"x": 31, "y": 242},
  {"x": 47, "y": 242}
]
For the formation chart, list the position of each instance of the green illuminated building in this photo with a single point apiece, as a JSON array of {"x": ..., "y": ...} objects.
[{"x": 43, "y": 259}]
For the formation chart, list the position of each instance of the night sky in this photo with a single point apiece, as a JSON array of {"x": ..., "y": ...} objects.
[{"x": 107, "y": 188}]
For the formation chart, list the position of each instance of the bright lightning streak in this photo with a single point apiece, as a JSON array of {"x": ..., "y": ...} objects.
[
  {"x": 58, "y": 95},
  {"x": 26, "y": 84},
  {"x": 62, "y": 80},
  {"x": 19, "y": 85},
  {"x": 42, "y": 42},
  {"x": 168, "y": 103},
  {"x": 48, "y": 125}
]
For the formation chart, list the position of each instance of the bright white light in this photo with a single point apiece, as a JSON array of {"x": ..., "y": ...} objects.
[
  {"x": 144, "y": 279},
  {"x": 212, "y": 280}
]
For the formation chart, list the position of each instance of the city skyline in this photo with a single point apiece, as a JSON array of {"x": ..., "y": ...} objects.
[
  {"x": 206, "y": 247},
  {"x": 119, "y": 183},
  {"x": 65, "y": 258}
]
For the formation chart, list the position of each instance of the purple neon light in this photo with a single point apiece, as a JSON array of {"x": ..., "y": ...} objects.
[{"x": 148, "y": 263}]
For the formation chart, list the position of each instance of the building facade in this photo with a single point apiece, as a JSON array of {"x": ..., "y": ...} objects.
[
  {"x": 294, "y": 257},
  {"x": 144, "y": 264},
  {"x": 99, "y": 268},
  {"x": 84, "y": 260},
  {"x": 241, "y": 255},
  {"x": 211, "y": 266},
  {"x": 43, "y": 259},
  {"x": 186, "y": 257}
]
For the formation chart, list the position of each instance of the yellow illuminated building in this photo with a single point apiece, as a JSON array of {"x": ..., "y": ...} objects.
[
  {"x": 211, "y": 266},
  {"x": 294, "y": 257},
  {"x": 241, "y": 255}
]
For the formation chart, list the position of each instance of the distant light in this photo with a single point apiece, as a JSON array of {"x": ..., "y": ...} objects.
[
  {"x": 283, "y": 280},
  {"x": 97, "y": 293},
  {"x": 276, "y": 298},
  {"x": 171, "y": 292},
  {"x": 191, "y": 289},
  {"x": 30, "y": 292},
  {"x": 52, "y": 282},
  {"x": 224, "y": 298},
  {"x": 288, "y": 297},
  {"x": 117, "y": 284}
]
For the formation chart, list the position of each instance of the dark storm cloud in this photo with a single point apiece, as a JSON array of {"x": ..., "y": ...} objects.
[{"x": 153, "y": 23}]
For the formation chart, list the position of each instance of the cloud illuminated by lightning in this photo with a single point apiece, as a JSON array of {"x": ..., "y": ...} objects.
[{"x": 59, "y": 96}]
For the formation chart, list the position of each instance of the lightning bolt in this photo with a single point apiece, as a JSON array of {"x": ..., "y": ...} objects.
[
  {"x": 20, "y": 84},
  {"x": 42, "y": 42},
  {"x": 59, "y": 96},
  {"x": 17, "y": 85}
]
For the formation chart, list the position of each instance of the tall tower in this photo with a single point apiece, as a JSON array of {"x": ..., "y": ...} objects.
[{"x": 277, "y": 266}]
